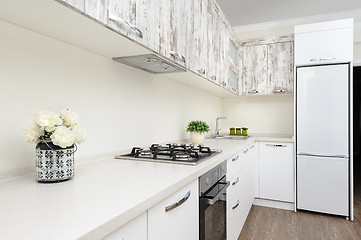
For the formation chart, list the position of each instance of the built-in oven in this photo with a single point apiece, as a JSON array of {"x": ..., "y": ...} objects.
[{"x": 212, "y": 203}]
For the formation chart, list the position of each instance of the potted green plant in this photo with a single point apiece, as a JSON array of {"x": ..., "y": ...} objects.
[
  {"x": 197, "y": 131},
  {"x": 232, "y": 131},
  {"x": 244, "y": 131}
]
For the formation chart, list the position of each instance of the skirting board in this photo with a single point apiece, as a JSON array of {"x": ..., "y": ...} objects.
[{"x": 274, "y": 204}]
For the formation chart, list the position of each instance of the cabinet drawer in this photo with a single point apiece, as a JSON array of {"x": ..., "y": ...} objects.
[
  {"x": 236, "y": 216},
  {"x": 176, "y": 217},
  {"x": 234, "y": 164}
]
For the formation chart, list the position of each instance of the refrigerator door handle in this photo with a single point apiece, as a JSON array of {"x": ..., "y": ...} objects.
[{"x": 321, "y": 155}]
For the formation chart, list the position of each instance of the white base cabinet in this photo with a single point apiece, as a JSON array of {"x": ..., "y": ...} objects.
[
  {"x": 276, "y": 171},
  {"x": 134, "y": 230},
  {"x": 241, "y": 192},
  {"x": 181, "y": 220}
]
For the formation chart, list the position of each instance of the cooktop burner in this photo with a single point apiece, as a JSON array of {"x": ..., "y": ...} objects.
[{"x": 171, "y": 153}]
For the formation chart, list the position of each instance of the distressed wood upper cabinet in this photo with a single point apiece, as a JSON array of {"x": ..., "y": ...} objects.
[
  {"x": 198, "y": 57},
  {"x": 128, "y": 17},
  {"x": 181, "y": 23},
  {"x": 280, "y": 68},
  {"x": 254, "y": 69},
  {"x": 267, "y": 66}
]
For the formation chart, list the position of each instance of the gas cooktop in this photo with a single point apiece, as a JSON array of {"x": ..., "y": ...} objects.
[{"x": 188, "y": 154}]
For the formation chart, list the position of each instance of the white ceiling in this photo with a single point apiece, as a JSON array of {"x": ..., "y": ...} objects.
[{"x": 253, "y": 12}]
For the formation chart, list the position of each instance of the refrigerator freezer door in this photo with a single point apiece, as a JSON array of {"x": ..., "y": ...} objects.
[
  {"x": 322, "y": 184},
  {"x": 323, "y": 110}
]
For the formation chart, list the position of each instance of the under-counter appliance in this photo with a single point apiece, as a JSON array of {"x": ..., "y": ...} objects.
[
  {"x": 323, "y": 138},
  {"x": 187, "y": 154},
  {"x": 212, "y": 203}
]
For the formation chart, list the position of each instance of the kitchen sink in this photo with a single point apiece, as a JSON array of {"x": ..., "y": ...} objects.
[{"x": 235, "y": 137}]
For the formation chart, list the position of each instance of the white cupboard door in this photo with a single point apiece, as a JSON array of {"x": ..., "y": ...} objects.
[
  {"x": 255, "y": 69},
  {"x": 134, "y": 230},
  {"x": 280, "y": 68},
  {"x": 276, "y": 171},
  {"x": 177, "y": 217},
  {"x": 331, "y": 46}
]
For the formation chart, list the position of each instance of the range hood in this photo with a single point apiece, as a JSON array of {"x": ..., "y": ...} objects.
[{"x": 150, "y": 63}]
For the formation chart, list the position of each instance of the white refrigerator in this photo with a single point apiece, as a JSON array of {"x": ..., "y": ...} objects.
[{"x": 322, "y": 138}]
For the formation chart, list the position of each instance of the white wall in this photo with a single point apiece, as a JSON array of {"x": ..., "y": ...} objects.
[
  {"x": 119, "y": 106},
  {"x": 261, "y": 114}
]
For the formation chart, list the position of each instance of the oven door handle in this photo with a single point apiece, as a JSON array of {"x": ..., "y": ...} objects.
[{"x": 213, "y": 200}]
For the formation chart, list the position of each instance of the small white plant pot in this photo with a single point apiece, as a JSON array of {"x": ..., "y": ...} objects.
[{"x": 197, "y": 137}]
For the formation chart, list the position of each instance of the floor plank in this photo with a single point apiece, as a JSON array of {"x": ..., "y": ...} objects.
[{"x": 265, "y": 223}]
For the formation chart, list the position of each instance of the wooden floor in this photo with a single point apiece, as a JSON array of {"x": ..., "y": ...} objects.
[{"x": 268, "y": 223}]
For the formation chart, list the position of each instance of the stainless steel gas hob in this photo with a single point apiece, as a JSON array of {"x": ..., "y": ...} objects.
[{"x": 187, "y": 154}]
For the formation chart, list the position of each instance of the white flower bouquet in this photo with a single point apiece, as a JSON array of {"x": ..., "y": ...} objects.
[{"x": 61, "y": 129}]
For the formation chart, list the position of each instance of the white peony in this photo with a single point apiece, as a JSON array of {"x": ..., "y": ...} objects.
[
  {"x": 70, "y": 118},
  {"x": 47, "y": 120},
  {"x": 31, "y": 133},
  {"x": 79, "y": 134},
  {"x": 63, "y": 137}
]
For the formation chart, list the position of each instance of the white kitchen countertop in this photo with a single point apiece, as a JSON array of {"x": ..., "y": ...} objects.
[{"x": 102, "y": 196}]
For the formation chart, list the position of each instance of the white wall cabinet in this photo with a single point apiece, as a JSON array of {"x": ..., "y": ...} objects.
[
  {"x": 134, "y": 230},
  {"x": 180, "y": 222},
  {"x": 276, "y": 171},
  {"x": 321, "y": 43},
  {"x": 241, "y": 192}
]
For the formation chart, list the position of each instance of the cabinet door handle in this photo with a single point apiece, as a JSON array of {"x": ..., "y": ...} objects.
[
  {"x": 322, "y": 59},
  {"x": 252, "y": 146},
  {"x": 213, "y": 77},
  {"x": 180, "y": 202},
  {"x": 202, "y": 71},
  {"x": 235, "y": 206},
  {"x": 177, "y": 55},
  {"x": 255, "y": 91},
  {"x": 234, "y": 90},
  {"x": 279, "y": 91},
  {"x": 276, "y": 145},
  {"x": 245, "y": 151},
  {"x": 121, "y": 21},
  {"x": 235, "y": 158},
  {"x": 236, "y": 181}
]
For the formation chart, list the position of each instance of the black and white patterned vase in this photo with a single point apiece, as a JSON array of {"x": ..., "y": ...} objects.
[{"x": 53, "y": 163}]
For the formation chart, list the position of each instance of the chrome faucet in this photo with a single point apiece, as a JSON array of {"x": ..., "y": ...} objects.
[{"x": 218, "y": 129}]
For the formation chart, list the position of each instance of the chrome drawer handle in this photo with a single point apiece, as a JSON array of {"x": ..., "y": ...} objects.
[
  {"x": 245, "y": 151},
  {"x": 252, "y": 146},
  {"x": 276, "y": 145},
  {"x": 202, "y": 71},
  {"x": 213, "y": 77},
  {"x": 235, "y": 182},
  {"x": 223, "y": 83},
  {"x": 235, "y": 206},
  {"x": 279, "y": 91},
  {"x": 180, "y": 202},
  {"x": 177, "y": 55},
  {"x": 235, "y": 159},
  {"x": 125, "y": 23},
  {"x": 322, "y": 59},
  {"x": 254, "y": 91}
]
